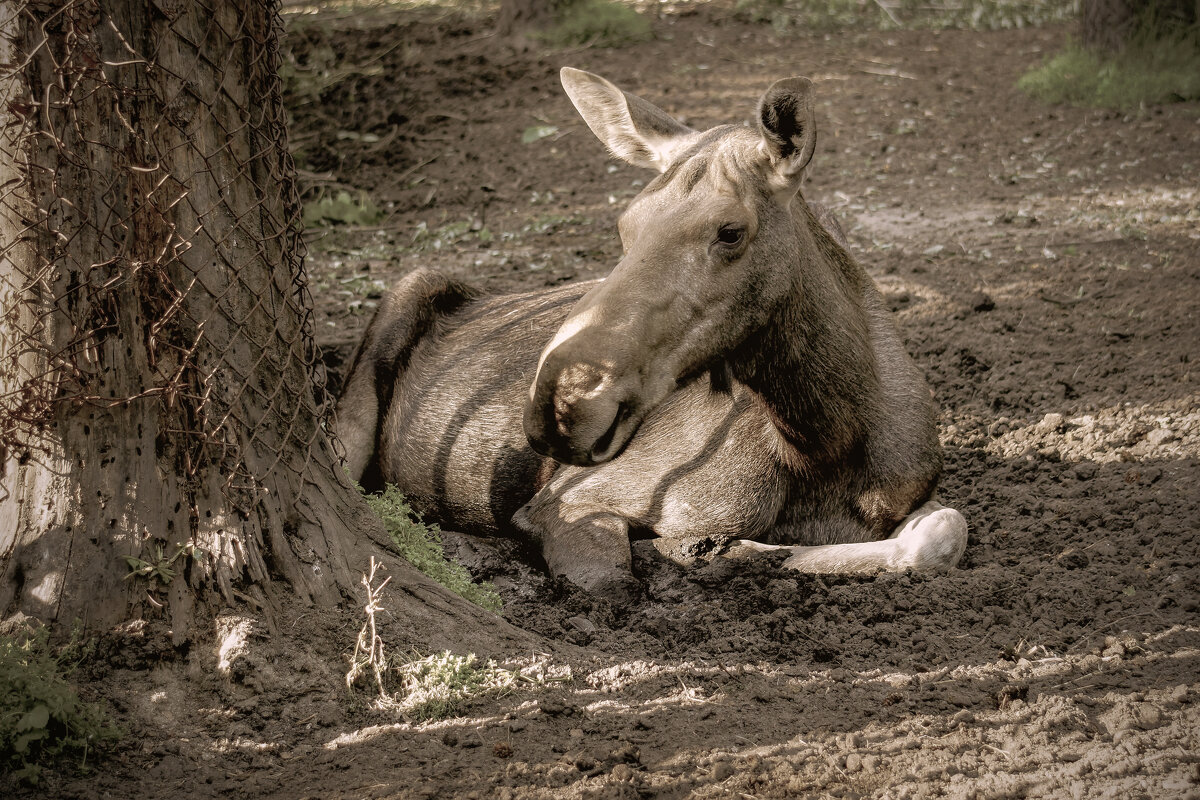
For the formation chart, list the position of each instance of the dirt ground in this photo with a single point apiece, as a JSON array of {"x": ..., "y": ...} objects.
[{"x": 1043, "y": 264}]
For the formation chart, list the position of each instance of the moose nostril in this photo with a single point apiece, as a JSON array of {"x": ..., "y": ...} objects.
[
  {"x": 600, "y": 450},
  {"x": 562, "y": 413}
]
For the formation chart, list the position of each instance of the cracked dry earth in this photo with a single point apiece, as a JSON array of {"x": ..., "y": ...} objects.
[{"x": 1043, "y": 264}]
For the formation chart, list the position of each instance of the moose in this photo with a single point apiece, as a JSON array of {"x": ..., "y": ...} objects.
[{"x": 737, "y": 375}]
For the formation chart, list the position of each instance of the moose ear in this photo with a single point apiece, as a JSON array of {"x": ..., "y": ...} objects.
[
  {"x": 633, "y": 130},
  {"x": 788, "y": 127}
]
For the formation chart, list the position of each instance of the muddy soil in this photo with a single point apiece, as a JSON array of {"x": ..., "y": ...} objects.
[{"x": 1043, "y": 264}]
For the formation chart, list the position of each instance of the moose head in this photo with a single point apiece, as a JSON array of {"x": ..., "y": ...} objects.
[{"x": 710, "y": 247}]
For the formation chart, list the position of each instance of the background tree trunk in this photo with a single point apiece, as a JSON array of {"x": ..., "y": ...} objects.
[
  {"x": 156, "y": 360},
  {"x": 1108, "y": 25},
  {"x": 517, "y": 16}
]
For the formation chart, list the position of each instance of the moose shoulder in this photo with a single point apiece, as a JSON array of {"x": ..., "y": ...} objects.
[{"x": 736, "y": 375}]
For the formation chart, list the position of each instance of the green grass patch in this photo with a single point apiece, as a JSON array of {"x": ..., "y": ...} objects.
[
  {"x": 341, "y": 208},
  {"x": 421, "y": 545},
  {"x": 437, "y": 686},
  {"x": 1147, "y": 72},
  {"x": 440, "y": 686},
  {"x": 452, "y": 233},
  {"x": 603, "y": 23},
  {"x": 42, "y": 719}
]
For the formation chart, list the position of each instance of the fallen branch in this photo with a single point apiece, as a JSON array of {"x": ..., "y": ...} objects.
[{"x": 887, "y": 73}]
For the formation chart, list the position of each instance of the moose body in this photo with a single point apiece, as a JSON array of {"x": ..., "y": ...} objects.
[{"x": 736, "y": 376}]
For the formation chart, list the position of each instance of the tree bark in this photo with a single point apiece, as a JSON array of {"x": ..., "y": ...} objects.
[
  {"x": 156, "y": 360},
  {"x": 517, "y": 16},
  {"x": 1108, "y": 25}
]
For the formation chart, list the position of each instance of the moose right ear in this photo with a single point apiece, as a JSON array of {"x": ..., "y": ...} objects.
[
  {"x": 633, "y": 130},
  {"x": 788, "y": 126}
]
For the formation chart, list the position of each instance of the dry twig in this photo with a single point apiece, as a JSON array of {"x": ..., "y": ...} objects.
[{"x": 368, "y": 650}]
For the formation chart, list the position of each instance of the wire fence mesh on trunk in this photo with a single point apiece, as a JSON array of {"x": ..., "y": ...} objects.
[{"x": 150, "y": 239}]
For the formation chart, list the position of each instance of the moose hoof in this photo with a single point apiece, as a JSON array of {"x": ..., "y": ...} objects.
[
  {"x": 932, "y": 541},
  {"x": 746, "y": 549}
]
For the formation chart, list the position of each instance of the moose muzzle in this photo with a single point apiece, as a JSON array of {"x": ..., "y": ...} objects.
[{"x": 586, "y": 401}]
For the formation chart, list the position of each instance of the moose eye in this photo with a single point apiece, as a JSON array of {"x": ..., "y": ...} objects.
[{"x": 730, "y": 235}]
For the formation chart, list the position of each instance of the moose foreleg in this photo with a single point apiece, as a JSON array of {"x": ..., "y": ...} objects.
[
  {"x": 931, "y": 539},
  {"x": 589, "y": 549}
]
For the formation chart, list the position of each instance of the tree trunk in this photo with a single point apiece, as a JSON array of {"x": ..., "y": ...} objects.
[
  {"x": 1108, "y": 25},
  {"x": 157, "y": 411},
  {"x": 517, "y": 16}
]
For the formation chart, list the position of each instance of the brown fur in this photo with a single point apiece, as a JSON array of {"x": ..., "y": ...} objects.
[{"x": 753, "y": 391}]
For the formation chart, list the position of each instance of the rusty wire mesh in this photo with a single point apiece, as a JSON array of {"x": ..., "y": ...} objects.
[{"x": 150, "y": 241}]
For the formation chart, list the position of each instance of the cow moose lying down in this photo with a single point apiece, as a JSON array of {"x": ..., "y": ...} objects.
[{"x": 736, "y": 375}]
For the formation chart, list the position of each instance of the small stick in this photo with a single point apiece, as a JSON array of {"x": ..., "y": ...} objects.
[{"x": 887, "y": 73}]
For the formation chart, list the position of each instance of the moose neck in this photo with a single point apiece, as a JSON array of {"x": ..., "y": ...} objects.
[{"x": 812, "y": 365}]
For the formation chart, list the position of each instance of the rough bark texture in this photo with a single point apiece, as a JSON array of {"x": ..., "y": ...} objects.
[
  {"x": 156, "y": 367},
  {"x": 517, "y": 16},
  {"x": 1108, "y": 25}
]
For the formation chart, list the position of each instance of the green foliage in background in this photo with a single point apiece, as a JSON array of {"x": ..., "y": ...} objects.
[
  {"x": 342, "y": 208},
  {"x": 421, "y": 545},
  {"x": 42, "y": 718},
  {"x": 826, "y": 15},
  {"x": 603, "y": 23},
  {"x": 1148, "y": 71},
  {"x": 321, "y": 70}
]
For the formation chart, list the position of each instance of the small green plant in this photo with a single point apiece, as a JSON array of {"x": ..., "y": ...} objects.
[
  {"x": 342, "y": 208},
  {"x": 437, "y": 686},
  {"x": 421, "y": 545},
  {"x": 42, "y": 718},
  {"x": 432, "y": 687},
  {"x": 450, "y": 234},
  {"x": 597, "y": 22},
  {"x": 1147, "y": 71},
  {"x": 545, "y": 224},
  {"x": 161, "y": 568}
]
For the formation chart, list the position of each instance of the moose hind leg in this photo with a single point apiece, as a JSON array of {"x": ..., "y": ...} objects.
[
  {"x": 931, "y": 539},
  {"x": 405, "y": 315}
]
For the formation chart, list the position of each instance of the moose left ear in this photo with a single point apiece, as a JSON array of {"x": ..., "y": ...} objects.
[
  {"x": 634, "y": 131},
  {"x": 788, "y": 127}
]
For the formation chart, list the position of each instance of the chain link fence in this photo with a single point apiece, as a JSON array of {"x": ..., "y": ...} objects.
[{"x": 151, "y": 261}]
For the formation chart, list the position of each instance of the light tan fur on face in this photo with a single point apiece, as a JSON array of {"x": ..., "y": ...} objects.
[
  {"x": 577, "y": 322},
  {"x": 577, "y": 383}
]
